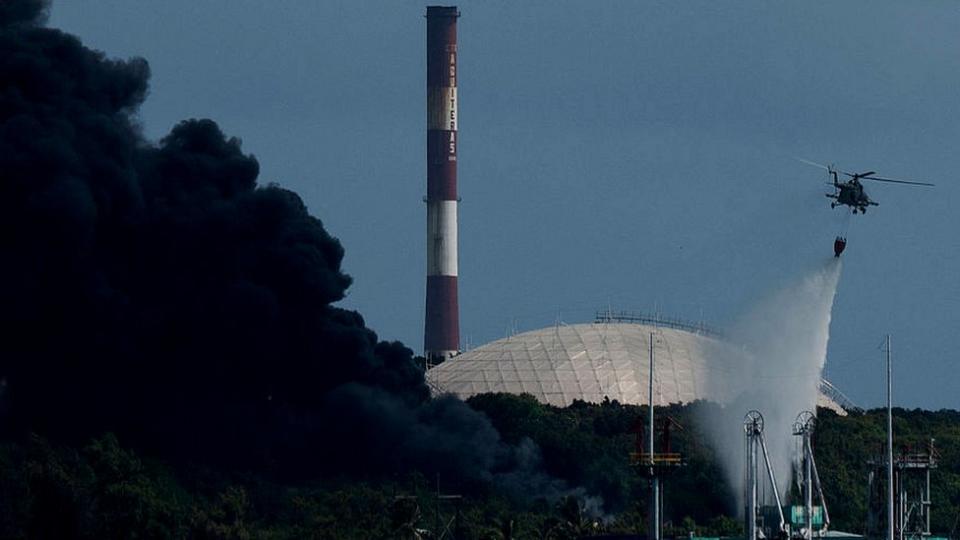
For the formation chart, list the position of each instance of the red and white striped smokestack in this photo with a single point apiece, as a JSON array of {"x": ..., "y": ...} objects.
[{"x": 441, "y": 334}]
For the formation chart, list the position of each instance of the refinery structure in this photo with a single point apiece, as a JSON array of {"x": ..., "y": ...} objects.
[{"x": 638, "y": 359}]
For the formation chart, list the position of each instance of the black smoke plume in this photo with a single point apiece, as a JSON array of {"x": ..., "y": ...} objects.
[{"x": 155, "y": 290}]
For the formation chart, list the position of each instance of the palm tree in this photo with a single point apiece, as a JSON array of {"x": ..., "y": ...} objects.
[
  {"x": 504, "y": 528},
  {"x": 573, "y": 522},
  {"x": 549, "y": 529},
  {"x": 404, "y": 517}
]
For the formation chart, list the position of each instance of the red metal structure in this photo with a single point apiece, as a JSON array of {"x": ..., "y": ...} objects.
[{"x": 442, "y": 324}]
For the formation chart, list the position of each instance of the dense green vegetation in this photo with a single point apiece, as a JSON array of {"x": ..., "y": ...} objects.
[
  {"x": 844, "y": 444},
  {"x": 106, "y": 490}
]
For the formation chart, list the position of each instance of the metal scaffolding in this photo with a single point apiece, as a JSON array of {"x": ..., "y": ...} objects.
[{"x": 911, "y": 488}]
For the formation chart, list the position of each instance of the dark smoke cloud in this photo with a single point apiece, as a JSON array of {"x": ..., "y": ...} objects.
[
  {"x": 23, "y": 12},
  {"x": 156, "y": 290}
]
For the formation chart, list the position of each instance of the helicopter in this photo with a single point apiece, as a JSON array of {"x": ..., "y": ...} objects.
[{"x": 851, "y": 193}]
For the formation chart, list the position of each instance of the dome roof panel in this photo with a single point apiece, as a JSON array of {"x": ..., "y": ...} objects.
[{"x": 589, "y": 362}]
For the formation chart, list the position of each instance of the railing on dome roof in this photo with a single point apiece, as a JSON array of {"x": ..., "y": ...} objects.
[
  {"x": 828, "y": 389},
  {"x": 658, "y": 320},
  {"x": 430, "y": 379}
]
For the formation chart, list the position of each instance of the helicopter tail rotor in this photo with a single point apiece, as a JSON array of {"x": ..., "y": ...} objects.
[
  {"x": 831, "y": 169},
  {"x": 814, "y": 163}
]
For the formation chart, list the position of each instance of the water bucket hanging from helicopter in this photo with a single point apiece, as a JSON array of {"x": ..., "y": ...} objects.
[
  {"x": 839, "y": 245},
  {"x": 840, "y": 242}
]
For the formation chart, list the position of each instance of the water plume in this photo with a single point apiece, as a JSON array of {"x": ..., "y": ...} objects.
[{"x": 772, "y": 362}]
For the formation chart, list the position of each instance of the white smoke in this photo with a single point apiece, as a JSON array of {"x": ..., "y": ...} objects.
[{"x": 772, "y": 361}]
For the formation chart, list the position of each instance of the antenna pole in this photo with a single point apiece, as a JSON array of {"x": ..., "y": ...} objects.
[
  {"x": 889, "y": 444},
  {"x": 808, "y": 483},
  {"x": 650, "y": 409},
  {"x": 654, "y": 481},
  {"x": 751, "y": 513}
]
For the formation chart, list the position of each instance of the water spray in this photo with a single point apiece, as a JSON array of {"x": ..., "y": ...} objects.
[{"x": 772, "y": 361}]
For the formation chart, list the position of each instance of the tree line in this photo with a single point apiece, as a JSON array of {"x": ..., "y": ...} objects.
[{"x": 105, "y": 489}]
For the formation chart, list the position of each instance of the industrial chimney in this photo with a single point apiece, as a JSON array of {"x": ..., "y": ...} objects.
[{"x": 442, "y": 326}]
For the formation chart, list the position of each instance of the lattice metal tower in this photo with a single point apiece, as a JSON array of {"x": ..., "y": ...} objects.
[
  {"x": 911, "y": 487},
  {"x": 808, "y": 481},
  {"x": 756, "y": 446}
]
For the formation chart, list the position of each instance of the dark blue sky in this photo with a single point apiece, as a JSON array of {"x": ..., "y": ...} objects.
[{"x": 633, "y": 154}]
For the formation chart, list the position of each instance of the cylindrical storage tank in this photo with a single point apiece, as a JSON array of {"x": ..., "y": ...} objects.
[{"x": 442, "y": 321}]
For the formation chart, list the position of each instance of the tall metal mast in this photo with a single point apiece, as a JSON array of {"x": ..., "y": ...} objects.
[
  {"x": 654, "y": 481},
  {"x": 889, "y": 444},
  {"x": 753, "y": 427},
  {"x": 652, "y": 463}
]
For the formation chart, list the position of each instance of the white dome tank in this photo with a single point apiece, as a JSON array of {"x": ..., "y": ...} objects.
[{"x": 593, "y": 361}]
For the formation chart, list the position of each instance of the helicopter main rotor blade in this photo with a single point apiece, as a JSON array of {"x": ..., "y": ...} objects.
[
  {"x": 865, "y": 176},
  {"x": 814, "y": 163},
  {"x": 892, "y": 181}
]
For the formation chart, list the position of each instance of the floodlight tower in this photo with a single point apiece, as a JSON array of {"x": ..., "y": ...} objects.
[
  {"x": 753, "y": 429},
  {"x": 809, "y": 478}
]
